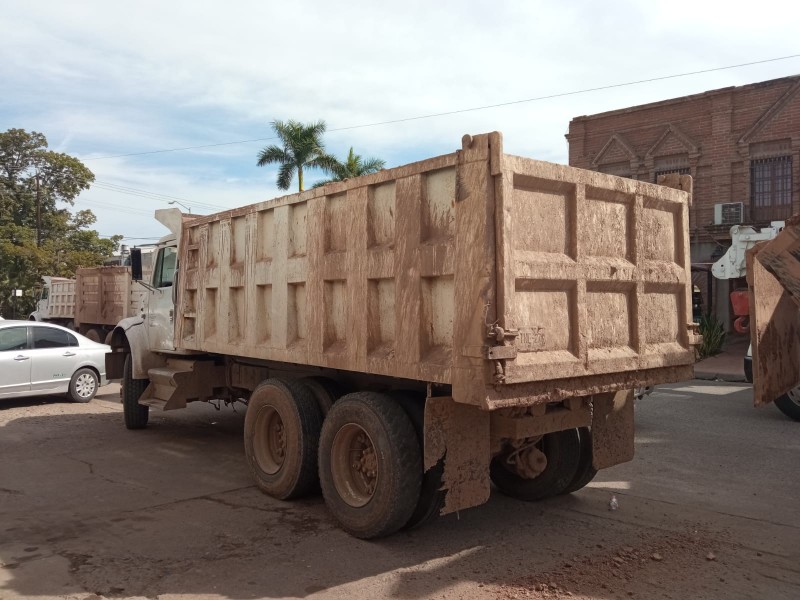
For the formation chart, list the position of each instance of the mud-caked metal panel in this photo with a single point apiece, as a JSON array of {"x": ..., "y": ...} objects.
[
  {"x": 773, "y": 276},
  {"x": 595, "y": 273},
  {"x": 103, "y": 295},
  {"x": 387, "y": 274}
]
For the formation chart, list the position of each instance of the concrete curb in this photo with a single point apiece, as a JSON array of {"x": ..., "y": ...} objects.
[{"x": 713, "y": 376}]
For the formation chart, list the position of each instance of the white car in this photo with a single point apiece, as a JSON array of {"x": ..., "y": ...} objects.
[{"x": 37, "y": 359}]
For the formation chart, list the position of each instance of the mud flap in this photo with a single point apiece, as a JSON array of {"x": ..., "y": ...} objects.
[
  {"x": 612, "y": 429},
  {"x": 459, "y": 435}
]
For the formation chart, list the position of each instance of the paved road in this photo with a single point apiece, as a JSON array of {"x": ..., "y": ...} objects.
[{"x": 708, "y": 509}]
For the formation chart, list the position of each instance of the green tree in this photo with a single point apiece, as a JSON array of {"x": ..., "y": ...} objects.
[
  {"x": 354, "y": 166},
  {"x": 36, "y": 236},
  {"x": 301, "y": 148}
]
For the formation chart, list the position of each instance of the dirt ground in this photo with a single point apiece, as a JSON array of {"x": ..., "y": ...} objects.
[{"x": 707, "y": 509}]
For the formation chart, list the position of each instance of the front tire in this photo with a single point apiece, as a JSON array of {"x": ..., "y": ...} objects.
[
  {"x": 281, "y": 437},
  {"x": 83, "y": 385},
  {"x": 136, "y": 415},
  {"x": 370, "y": 465}
]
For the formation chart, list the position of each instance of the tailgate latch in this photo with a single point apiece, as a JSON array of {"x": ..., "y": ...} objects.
[{"x": 502, "y": 352}]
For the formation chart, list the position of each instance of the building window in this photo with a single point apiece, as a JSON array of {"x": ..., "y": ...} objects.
[
  {"x": 679, "y": 171},
  {"x": 771, "y": 188},
  {"x": 620, "y": 169}
]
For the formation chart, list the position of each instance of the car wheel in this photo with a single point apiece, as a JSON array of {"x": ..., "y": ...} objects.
[
  {"x": 789, "y": 404},
  {"x": 83, "y": 385}
]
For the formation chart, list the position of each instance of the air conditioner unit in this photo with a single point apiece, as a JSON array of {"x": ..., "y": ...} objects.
[{"x": 729, "y": 213}]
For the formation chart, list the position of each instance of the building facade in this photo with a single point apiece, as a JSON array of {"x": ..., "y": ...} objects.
[{"x": 740, "y": 144}]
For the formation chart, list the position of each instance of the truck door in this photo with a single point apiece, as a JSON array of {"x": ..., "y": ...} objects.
[{"x": 161, "y": 308}]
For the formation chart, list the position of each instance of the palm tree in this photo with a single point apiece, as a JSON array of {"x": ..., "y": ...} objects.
[
  {"x": 302, "y": 148},
  {"x": 354, "y": 166}
]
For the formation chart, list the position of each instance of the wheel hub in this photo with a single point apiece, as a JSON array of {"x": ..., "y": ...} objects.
[
  {"x": 269, "y": 442},
  {"x": 354, "y": 465},
  {"x": 84, "y": 385}
]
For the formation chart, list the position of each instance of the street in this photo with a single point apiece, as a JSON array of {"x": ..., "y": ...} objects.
[{"x": 707, "y": 509}]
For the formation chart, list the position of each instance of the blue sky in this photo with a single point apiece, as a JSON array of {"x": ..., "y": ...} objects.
[{"x": 102, "y": 79}]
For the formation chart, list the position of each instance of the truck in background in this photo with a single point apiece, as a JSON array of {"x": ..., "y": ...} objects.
[
  {"x": 773, "y": 278},
  {"x": 94, "y": 302},
  {"x": 405, "y": 338}
]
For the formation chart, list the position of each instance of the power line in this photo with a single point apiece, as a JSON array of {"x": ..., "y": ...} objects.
[
  {"x": 154, "y": 195},
  {"x": 465, "y": 110}
]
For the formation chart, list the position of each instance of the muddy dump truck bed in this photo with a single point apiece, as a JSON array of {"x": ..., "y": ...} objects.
[
  {"x": 106, "y": 295},
  {"x": 61, "y": 301},
  {"x": 512, "y": 280},
  {"x": 773, "y": 277}
]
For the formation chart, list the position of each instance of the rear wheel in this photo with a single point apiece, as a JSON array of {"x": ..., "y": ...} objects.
[
  {"x": 370, "y": 464},
  {"x": 585, "y": 472},
  {"x": 431, "y": 497},
  {"x": 521, "y": 473},
  {"x": 93, "y": 334},
  {"x": 281, "y": 436},
  {"x": 136, "y": 415},
  {"x": 326, "y": 391},
  {"x": 83, "y": 385},
  {"x": 789, "y": 404}
]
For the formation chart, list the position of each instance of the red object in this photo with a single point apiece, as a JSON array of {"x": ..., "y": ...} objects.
[
  {"x": 741, "y": 303},
  {"x": 742, "y": 325}
]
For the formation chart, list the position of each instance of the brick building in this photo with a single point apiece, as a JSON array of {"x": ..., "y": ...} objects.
[{"x": 740, "y": 144}]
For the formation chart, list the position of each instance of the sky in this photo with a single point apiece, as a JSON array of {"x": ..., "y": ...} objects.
[{"x": 117, "y": 84}]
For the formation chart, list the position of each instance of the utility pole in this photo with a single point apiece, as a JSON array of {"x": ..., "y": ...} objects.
[{"x": 38, "y": 212}]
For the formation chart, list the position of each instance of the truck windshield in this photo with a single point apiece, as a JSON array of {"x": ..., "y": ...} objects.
[{"x": 164, "y": 272}]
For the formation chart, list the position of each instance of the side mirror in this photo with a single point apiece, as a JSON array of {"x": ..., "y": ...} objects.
[{"x": 136, "y": 264}]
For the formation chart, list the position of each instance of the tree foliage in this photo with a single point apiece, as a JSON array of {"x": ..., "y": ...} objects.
[
  {"x": 353, "y": 166},
  {"x": 301, "y": 148},
  {"x": 36, "y": 236}
]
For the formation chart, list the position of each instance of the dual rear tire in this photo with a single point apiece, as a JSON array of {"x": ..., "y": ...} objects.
[
  {"x": 568, "y": 467},
  {"x": 365, "y": 455}
]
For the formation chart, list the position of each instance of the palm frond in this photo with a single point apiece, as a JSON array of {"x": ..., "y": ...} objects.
[
  {"x": 273, "y": 154},
  {"x": 372, "y": 165},
  {"x": 285, "y": 176},
  {"x": 326, "y": 162}
]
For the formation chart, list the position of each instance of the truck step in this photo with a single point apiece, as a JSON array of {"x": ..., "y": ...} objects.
[{"x": 180, "y": 381}]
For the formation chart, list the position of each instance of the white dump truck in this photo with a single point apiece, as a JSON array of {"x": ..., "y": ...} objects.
[
  {"x": 94, "y": 302},
  {"x": 405, "y": 338}
]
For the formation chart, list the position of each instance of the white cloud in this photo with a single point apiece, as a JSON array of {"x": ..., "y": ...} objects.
[{"x": 103, "y": 78}]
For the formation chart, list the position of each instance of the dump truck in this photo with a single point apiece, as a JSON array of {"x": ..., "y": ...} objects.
[
  {"x": 92, "y": 303},
  {"x": 406, "y": 338},
  {"x": 773, "y": 278},
  {"x": 55, "y": 302}
]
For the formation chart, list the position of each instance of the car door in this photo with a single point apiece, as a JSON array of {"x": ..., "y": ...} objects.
[
  {"x": 54, "y": 356},
  {"x": 15, "y": 361}
]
